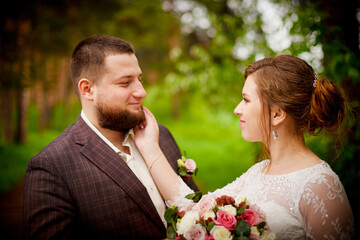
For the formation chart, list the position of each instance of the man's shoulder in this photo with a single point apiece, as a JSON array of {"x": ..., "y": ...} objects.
[
  {"x": 60, "y": 144},
  {"x": 164, "y": 132}
]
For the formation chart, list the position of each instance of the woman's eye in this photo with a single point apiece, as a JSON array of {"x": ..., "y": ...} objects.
[{"x": 245, "y": 100}]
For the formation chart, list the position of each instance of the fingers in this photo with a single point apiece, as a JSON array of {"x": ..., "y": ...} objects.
[{"x": 148, "y": 114}]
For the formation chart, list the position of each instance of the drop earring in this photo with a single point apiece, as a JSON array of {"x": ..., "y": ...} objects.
[{"x": 274, "y": 134}]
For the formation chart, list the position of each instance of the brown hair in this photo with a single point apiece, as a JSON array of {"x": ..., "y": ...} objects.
[
  {"x": 88, "y": 57},
  {"x": 290, "y": 83}
]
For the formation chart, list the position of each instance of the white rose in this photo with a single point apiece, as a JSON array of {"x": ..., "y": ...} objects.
[
  {"x": 220, "y": 233},
  {"x": 240, "y": 200},
  {"x": 187, "y": 222},
  {"x": 208, "y": 214},
  {"x": 230, "y": 209}
]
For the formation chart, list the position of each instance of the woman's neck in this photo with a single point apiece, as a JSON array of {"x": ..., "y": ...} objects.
[{"x": 290, "y": 154}]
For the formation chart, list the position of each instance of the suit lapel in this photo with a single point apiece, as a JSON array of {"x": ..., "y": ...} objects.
[{"x": 101, "y": 155}]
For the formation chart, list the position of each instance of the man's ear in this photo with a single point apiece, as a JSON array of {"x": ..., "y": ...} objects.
[
  {"x": 278, "y": 116},
  {"x": 86, "y": 89}
]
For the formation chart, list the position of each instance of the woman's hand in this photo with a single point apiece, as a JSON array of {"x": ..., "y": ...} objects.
[{"x": 147, "y": 134}]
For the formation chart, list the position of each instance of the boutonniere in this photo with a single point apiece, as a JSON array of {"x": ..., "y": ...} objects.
[{"x": 187, "y": 167}]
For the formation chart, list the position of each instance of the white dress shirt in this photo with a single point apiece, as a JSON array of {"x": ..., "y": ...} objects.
[{"x": 137, "y": 165}]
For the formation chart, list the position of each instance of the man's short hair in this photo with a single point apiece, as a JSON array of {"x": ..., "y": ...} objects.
[{"x": 87, "y": 60}]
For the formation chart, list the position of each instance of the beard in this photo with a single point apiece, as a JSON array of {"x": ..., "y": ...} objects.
[{"x": 116, "y": 119}]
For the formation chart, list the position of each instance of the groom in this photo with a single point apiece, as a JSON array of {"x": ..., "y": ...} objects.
[{"x": 91, "y": 182}]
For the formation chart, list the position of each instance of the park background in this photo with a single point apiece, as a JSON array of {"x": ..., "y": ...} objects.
[{"x": 192, "y": 54}]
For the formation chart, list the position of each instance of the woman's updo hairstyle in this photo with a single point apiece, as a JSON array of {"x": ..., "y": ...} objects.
[{"x": 289, "y": 82}]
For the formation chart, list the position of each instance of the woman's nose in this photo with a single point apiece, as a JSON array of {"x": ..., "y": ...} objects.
[{"x": 237, "y": 110}]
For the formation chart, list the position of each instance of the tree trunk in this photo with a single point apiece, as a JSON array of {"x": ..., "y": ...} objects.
[
  {"x": 7, "y": 107},
  {"x": 23, "y": 99}
]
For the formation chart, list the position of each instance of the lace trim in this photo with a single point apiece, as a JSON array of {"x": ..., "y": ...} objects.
[{"x": 179, "y": 199}]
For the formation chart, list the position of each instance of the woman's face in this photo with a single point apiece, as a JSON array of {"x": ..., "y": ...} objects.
[{"x": 250, "y": 111}]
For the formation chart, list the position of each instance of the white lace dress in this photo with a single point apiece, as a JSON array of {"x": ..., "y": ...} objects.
[{"x": 307, "y": 204}]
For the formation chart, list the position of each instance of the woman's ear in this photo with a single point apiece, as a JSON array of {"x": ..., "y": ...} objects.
[
  {"x": 278, "y": 116},
  {"x": 86, "y": 89}
]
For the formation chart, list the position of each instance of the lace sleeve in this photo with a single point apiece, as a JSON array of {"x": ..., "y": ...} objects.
[
  {"x": 326, "y": 209},
  {"x": 179, "y": 199}
]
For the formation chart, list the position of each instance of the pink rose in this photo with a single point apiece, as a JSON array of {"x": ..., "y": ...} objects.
[
  {"x": 196, "y": 232},
  {"x": 250, "y": 217},
  {"x": 205, "y": 204},
  {"x": 225, "y": 219},
  {"x": 209, "y": 237},
  {"x": 190, "y": 165}
]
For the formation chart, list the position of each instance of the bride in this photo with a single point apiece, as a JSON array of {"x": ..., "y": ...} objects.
[{"x": 299, "y": 193}]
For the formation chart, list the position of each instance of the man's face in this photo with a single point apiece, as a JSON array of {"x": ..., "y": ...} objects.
[{"x": 119, "y": 93}]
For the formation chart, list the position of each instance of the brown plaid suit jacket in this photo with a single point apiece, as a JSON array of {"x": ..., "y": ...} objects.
[{"x": 79, "y": 188}]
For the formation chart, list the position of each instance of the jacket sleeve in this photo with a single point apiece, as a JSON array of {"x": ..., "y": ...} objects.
[{"x": 48, "y": 212}]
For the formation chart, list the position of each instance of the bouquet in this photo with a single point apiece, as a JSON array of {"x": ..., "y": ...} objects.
[{"x": 218, "y": 219}]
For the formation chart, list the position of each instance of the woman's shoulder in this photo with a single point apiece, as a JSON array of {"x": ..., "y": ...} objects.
[
  {"x": 322, "y": 178},
  {"x": 255, "y": 169},
  {"x": 259, "y": 165},
  {"x": 320, "y": 170}
]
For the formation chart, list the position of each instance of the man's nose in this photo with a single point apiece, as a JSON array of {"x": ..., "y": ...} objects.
[{"x": 139, "y": 91}]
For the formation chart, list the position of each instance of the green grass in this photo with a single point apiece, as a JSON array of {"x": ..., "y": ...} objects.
[{"x": 14, "y": 158}]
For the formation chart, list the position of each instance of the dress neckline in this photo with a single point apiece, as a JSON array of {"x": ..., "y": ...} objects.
[{"x": 264, "y": 163}]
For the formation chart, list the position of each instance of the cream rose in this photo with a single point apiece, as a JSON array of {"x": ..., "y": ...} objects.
[
  {"x": 230, "y": 209},
  {"x": 189, "y": 220},
  {"x": 220, "y": 233},
  {"x": 209, "y": 214}
]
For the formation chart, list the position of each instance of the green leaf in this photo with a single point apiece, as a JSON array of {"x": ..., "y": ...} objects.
[
  {"x": 196, "y": 196},
  {"x": 241, "y": 210},
  {"x": 190, "y": 196},
  {"x": 170, "y": 233},
  {"x": 182, "y": 171},
  {"x": 168, "y": 214},
  {"x": 216, "y": 209},
  {"x": 261, "y": 225},
  {"x": 242, "y": 228},
  {"x": 209, "y": 226}
]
